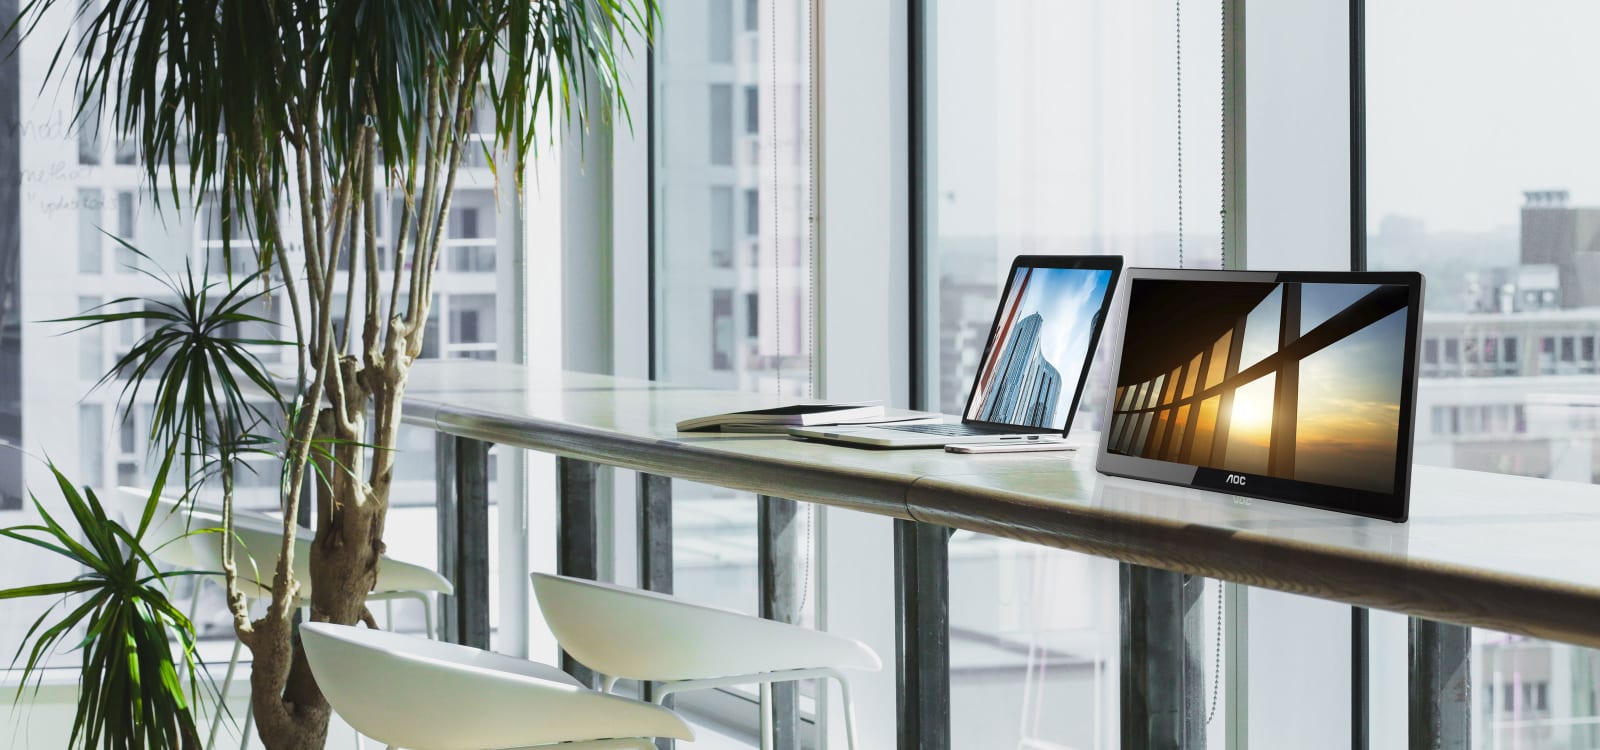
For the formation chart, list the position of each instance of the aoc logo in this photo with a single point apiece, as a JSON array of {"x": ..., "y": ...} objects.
[{"x": 1237, "y": 479}]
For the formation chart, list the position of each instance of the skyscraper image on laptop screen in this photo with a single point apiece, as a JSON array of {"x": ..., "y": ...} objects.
[
  {"x": 1296, "y": 387},
  {"x": 1037, "y": 354}
]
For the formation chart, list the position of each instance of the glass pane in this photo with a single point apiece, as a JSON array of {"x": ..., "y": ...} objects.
[
  {"x": 1036, "y": 631},
  {"x": 1490, "y": 185},
  {"x": 733, "y": 275},
  {"x": 1054, "y": 128}
]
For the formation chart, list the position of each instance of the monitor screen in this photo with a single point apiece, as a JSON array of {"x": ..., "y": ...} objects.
[
  {"x": 1291, "y": 386},
  {"x": 1039, "y": 345}
]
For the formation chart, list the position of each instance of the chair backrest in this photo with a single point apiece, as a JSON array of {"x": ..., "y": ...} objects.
[
  {"x": 642, "y": 635},
  {"x": 165, "y": 539},
  {"x": 258, "y": 539},
  {"x": 417, "y": 693}
]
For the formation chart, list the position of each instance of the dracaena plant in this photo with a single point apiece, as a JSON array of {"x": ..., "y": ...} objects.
[
  {"x": 132, "y": 680},
  {"x": 297, "y": 119}
]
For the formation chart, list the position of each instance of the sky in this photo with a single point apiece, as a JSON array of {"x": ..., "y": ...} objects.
[
  {"x": 1471, "y": 102},
  {"x": 1349, "y": 408}
]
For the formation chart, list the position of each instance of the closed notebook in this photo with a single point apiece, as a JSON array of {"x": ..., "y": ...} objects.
[{"x": 797, "y": 415}]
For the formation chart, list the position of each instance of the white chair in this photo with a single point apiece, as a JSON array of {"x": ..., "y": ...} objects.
[
  {"x": 624, "y": 633},
  {"x": 415, "y": 693},
  {"x": 257, "y": 541}
]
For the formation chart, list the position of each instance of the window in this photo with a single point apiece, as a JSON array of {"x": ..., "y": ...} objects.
[
  {"x": 89, "y": 145},
  {"x": 752, "y": 110},
  {"x": 720, "y": 125},
  {"x": 1502, "y": 225},
  {"x": 722, "y": 330},
  {"x": 752, "y": 212},
  {"x": 91, "y": 443},
  {"x": 90, "y": 249},
  {"x": 732, "y": 283},
  {"x": 91, "y": 345},
  {"x": 1053, "y": 128},
  {"x": 470, "y": 244},
  {"x": 472, "y": 326},
  {"x": 721, "y": 229},
  {"x": 719, "y": 31}
]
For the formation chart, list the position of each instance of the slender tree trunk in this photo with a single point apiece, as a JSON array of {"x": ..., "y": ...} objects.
[{"x": 351, "y": 512}]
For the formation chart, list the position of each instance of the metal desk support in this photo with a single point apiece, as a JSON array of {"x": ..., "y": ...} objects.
[
  {"x": 655, "y": 554},
  {"x": 922, "y": 635},
  {"x": 1441, "y": 690},
  {"x": 779, "y": 553},
  {"x": 1162, "y": 701},
  {"x": 462, "y": 478},
  {"x": 578, "y": 536}
]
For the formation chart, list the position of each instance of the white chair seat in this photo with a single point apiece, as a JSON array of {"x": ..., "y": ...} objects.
[
  {"x": 600, "y": 625},
  {"x": 258, "y": 537},
  {"x": 425, "y": 695}
]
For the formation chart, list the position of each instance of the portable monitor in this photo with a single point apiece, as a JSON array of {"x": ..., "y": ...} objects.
[{"x": 1292, "y": 386}]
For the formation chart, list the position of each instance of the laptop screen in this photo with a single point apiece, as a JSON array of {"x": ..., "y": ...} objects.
[
  {"x": 1275, "y": 388},
  {"x": 1040, "y": 343}
]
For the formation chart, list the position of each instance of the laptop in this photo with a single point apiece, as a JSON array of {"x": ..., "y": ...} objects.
[{"x": 1034, "y": 364}]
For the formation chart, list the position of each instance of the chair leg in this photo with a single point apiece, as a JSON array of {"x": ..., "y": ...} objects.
[
  {"x": 427, "y": 613},
  {"x": 849, "y": 711},
  {"x": 766, "y": 716},
  {"x": 194, "y": 597},
  {"x": 222, "y": 695},
  {"x": 249, "y": 724}
]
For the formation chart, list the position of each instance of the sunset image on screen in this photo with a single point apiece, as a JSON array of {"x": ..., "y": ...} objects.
[{"x": 1298, "y": 380}]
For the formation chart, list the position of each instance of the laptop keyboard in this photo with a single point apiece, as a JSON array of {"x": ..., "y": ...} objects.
[{"x": 950, "y": 430}]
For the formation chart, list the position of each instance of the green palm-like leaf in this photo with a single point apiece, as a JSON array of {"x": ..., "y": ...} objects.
[
  {"x": 196, "y": 369},
  {"x": 132, "y": 692}
]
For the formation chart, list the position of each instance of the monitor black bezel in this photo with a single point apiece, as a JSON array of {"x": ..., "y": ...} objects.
[
  {"x": 1112, "y": 263},
  {"x": 1393, "y": 506}
]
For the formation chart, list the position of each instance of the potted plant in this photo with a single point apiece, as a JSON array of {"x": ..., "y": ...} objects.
[{"x": 297, "y": 119}]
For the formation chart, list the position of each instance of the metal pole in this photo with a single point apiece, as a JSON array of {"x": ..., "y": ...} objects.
[
  {"x": 655, "y": 555},
  {"x": 462, "y": 479},
  {"x": 922, "y": 635},
  {"x": 1360, "y": 694},
  {"x": 578, "y": 538},
  {"x": 1162, "y": 670},
  {"x": 1441, "y": 685},
  {"x": 778, "y": 552}
]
